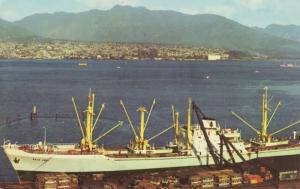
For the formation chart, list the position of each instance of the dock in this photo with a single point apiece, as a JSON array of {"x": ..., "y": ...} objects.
[{"x": 172, "y": 178}]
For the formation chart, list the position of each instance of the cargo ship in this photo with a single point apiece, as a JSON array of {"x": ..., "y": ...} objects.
[
  {"x": 203, "y": 143},
  {"x": 289, "y": 65}
]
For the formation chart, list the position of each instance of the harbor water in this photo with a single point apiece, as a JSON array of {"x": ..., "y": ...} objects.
[{"x": 216, "y": 87}]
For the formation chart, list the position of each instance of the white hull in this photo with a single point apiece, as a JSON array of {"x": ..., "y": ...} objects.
[{"x": 34, "y": 162}]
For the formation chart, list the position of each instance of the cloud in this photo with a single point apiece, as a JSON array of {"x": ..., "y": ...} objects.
[
  {"x": 253, "y": 4},
  {"x": 6, "y": 13}
]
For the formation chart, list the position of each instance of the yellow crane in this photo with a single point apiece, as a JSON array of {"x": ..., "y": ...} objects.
[
  {"x": 139, "y": 143},
  {"x": 265, "y": 121},
  {"x": 88, "y": 125}
]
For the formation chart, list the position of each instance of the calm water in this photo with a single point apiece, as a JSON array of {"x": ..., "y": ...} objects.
[{"x": 217, "y": 87}]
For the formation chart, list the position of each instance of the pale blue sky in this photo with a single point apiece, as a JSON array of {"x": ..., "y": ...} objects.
[{"x": 248, "y": 12}]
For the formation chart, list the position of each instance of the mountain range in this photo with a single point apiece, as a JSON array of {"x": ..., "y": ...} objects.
[
  {"x": 140, "y": 25},
  {"x": 291, "y": 32},
  {"x": 10, "y": 31}
]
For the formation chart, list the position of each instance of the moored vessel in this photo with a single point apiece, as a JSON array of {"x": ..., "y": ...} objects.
[{"x": 203, "y": 143}]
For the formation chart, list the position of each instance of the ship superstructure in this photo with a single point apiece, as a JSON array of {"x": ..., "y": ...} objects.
[{"x": 195, "y": 144}]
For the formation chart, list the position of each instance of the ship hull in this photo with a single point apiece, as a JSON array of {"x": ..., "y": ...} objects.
[
  {"x": 280, "y": 163},
  {"x": 89, "y": 163},
  {"x": 23, "y": 161}
]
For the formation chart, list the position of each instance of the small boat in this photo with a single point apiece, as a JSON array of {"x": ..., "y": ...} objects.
[
  {"x": 83, "y": 64},
  {"x": 289, "y": 65}
]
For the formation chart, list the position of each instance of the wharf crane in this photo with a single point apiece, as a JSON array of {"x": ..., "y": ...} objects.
[
  {"x": 263, "y": 135},
  {"x": 88, "y": 125}
]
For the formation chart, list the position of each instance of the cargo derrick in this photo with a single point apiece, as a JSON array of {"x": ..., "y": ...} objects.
[
  {"x": 265, "y": 138},
  {"x": 88, "y": 125},
  {"x": 139, "y": 143}
]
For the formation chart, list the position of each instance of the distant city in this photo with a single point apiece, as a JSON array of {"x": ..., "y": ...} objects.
[
  {"x": 111, "y": 51},
  {"x": 137, "y": 33}
]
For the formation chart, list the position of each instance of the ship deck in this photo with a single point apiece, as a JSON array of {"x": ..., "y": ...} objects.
[
  {"x": 118, "y": 152},
  {"x": 267, "y": 148}
]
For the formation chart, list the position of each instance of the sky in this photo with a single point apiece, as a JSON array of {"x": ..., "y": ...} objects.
[{"x": 248, "y": 12}]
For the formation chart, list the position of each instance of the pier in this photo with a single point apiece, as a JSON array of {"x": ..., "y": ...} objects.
[{"x": 33, "y": 116}]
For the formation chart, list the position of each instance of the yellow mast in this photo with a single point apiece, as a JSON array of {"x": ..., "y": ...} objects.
[
  {"x": 89, "y": 120},
  {"x": 265, "y": 121},
  {"x": 188, "y": 131},
  {"x": 175, "y": 116},
  {"x": 177, "y": 129},
  {"x": 88, "y": 125},
  {"x": 142, "y": 141}
]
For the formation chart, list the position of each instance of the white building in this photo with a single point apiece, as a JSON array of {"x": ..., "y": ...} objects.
[{"x": 213, "y": 57}]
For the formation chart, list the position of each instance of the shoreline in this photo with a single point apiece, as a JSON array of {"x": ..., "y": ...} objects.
[{"x": 156, "y": 60}]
